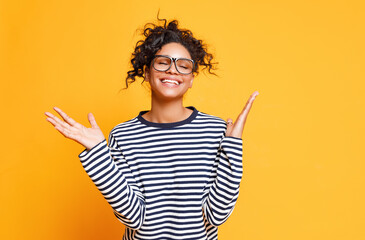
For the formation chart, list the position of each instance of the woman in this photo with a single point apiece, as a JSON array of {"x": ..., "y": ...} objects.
[{"x": 172, "y": 172}]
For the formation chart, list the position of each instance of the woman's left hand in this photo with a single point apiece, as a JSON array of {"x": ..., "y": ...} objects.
[{"x": 236, "y": 129}]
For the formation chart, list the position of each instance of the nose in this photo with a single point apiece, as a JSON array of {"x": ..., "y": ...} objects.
[{"x": 173, "y": 69}]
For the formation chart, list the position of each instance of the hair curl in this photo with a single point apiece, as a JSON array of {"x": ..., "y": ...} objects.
[{"x": 155, "y": 37}]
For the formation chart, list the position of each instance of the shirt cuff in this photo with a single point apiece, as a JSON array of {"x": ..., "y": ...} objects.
[
  {"x": 232, "y": 140},
  {"x": 232, "y": 146},
  {"x": 85, "y": 154}
]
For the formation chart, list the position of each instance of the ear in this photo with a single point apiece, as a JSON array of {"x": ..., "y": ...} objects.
[{"x": 147, "y": 74}]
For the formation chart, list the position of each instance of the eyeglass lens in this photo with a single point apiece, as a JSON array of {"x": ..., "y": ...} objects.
[{"x": 183, "y": 66}]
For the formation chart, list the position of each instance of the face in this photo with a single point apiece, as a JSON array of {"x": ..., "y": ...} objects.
[{"x": 168, "y": 90}]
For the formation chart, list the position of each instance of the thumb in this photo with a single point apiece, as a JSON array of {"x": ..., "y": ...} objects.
[
  {"x": 229, "y": 126},
  {"x": 92, "y": 121}
]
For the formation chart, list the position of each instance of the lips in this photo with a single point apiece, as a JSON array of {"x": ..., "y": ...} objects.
[{"x": 170, "y": 81}]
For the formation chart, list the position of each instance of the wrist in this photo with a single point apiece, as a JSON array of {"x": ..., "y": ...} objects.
[{"x": 94, "y": 144}]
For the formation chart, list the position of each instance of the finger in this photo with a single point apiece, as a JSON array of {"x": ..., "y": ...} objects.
[
  {"x": 53, "y": 119},
  {"x": 255, "y": 93},
  {"x": 242, "y": 117},
  {"x": 53, "y": 122},
  {"x": 60, "y": 128},
  {"x": 65, "y": 117},
  {"x": 229, "y": 126},
  {"x": 65, "y": 132},
  {"x": 92, "y": 120},
  {"x": 248, "y": 105},
  {"x": 252, "y": 98},
  {"x": 57, "y": 122},
  {"x": 64, "y": 128}
]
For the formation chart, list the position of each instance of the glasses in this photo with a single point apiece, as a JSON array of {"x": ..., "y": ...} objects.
[{"x": 163, "y": 63}]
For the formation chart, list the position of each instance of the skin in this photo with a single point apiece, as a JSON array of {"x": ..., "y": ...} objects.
[{"x": 166, "y": 104}]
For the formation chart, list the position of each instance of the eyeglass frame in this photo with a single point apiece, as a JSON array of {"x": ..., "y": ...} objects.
[{"x": 172, "y": 60}]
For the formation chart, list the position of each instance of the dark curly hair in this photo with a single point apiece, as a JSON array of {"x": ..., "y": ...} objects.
[{"x": 156, "y": 37}]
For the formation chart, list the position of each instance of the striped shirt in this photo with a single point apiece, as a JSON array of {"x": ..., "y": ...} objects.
[{"x": 175, "y": 180}]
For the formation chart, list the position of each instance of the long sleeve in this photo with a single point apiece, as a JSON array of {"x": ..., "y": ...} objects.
[
  {"x": 104, "y": 165},
  {"x": 223, "y": 193}
]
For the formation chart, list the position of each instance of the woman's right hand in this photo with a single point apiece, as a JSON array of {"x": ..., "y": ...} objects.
[{"x": 88, "y": 137}]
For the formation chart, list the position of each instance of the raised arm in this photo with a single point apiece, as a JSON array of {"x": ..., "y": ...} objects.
[
  {"x": 106, "y": 167},
  {"x": 221, "y": 199},
  {"x": 69, "y": 128},
  {"x": 223, "y": 194}
]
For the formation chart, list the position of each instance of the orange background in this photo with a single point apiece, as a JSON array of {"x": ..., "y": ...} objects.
[{"x": 303, "y": 158}]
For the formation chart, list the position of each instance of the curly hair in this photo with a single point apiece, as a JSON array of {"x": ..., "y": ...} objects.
[{"x": 155, "y": 37}]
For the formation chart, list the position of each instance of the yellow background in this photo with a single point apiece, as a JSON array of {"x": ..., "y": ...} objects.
[{"x": 303, "y": 157}]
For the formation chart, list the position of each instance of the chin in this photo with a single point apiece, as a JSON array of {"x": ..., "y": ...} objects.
[{"x": 169, "y": 96}]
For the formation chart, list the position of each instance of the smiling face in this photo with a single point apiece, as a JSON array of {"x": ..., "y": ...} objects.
[{"x": 170, "y": 84}]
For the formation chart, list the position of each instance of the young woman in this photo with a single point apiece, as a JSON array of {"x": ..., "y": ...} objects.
[{"x": 172, "y": 172}]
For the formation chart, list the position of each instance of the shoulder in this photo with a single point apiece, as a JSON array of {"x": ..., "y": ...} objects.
[
  {"x": 125, "y": 126},
  {"x": 211, "y": 119},
  {"x": 206, "y": 116}
]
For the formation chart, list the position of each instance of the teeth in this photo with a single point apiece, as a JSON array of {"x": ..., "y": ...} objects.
[{"x": 170, "y": 81}]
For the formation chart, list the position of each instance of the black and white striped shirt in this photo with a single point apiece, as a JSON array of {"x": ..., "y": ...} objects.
[{"x": 168, "y": 180}]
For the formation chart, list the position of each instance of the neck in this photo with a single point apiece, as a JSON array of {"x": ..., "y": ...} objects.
[{"x": 167, "y": 111}]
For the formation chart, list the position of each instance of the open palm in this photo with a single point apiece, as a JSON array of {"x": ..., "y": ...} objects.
[
  {"x": 236, "y": 129},
  {"x": 88, "y": 137}
]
